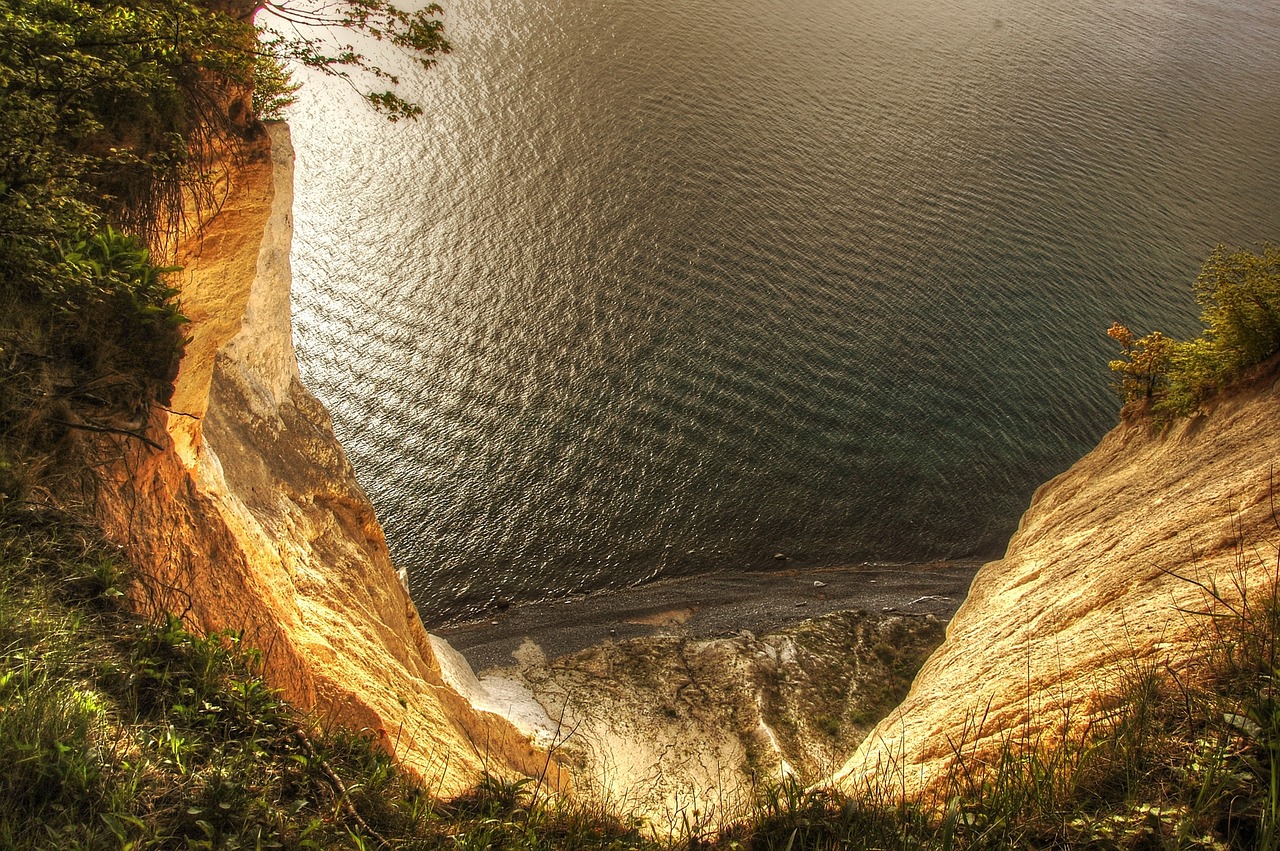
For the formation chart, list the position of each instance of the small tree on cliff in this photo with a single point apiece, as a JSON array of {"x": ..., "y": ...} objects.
[
  {"x": 419, "y": 33},
  {"x": 1143, "y": 369},
  {"x": 1239, "y": 295}
]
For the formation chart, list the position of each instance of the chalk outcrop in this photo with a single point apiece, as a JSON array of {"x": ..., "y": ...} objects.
[
  {"x": 686, "y": 731},
  {"x": 251, "y": 518},
  {"x": 1100, "y": 574}
]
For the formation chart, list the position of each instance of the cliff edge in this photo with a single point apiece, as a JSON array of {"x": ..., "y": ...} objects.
[
  {"x": 1100, "y": 577},
  {"x": 250, "y": 517}
]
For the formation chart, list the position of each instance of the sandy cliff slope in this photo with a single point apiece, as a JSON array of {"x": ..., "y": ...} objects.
[
  {"x": 251, "y": 518},
  {"x": 1084, "y": 588}
]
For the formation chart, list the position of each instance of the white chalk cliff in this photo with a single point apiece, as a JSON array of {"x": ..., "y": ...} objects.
[
  {"x": 1100, "y": 576},
  {"x": 251, "y": 518}
]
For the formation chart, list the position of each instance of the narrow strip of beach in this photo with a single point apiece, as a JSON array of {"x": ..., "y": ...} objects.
[{"x": 712, "y": 606}]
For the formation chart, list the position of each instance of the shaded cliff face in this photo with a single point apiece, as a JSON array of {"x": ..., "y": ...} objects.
[
  {"x": 251, "y": 519},
  {"x": 1086, "y": 588}
]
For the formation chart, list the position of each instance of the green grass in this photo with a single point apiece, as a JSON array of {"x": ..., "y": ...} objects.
[
  {"x": 115, "y": 732},
  {"x": 121, "y": 733}
]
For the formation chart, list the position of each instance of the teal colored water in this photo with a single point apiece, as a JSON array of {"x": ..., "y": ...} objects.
[{"x": 669, "y": 287}]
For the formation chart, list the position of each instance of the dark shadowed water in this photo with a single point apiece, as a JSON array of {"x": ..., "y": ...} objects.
[{"x": 661, "y": 288}]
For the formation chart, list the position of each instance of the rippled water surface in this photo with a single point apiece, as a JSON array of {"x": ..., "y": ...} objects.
[{"x": 666, "y": 287}]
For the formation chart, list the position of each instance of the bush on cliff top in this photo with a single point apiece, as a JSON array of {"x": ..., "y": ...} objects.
[
  {"x": 1239, "y": 296},
  {"x": 114, "y": 114}
]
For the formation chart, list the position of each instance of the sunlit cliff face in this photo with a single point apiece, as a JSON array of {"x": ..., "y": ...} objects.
[
  {"x": 252, "y": 520},
  {"x": 1097, "y": 582}
]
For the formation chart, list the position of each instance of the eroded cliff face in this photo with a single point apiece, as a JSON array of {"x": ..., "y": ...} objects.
[
  {"x": 251, "y": 518},
  {"x": 686, "y": 731},
  {"x": 1087, "y": 588}
]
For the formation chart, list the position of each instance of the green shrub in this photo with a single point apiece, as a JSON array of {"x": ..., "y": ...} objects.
[
  {"x": 1239, "y": 296},
  {"x": 114, "y": 305},
  {"x": 274, "y": 89},
  {"x": 112, "y": 111},
  {"x": 91, "y": 351},
  {"x": 1239, "y": 292}
]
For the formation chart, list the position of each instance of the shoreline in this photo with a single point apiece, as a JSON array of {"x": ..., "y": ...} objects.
[{"x": 711, "y": 606}]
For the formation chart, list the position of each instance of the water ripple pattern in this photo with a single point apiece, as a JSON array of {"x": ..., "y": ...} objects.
[{"x": 660, "y": 288}]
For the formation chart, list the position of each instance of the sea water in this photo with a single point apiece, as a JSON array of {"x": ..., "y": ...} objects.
[{"x": 668, "y": 287}]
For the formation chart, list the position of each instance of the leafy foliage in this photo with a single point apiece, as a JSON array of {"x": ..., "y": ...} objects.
[
  {"x": 111, "y": 111},
  {"x": 118, "y": 110},
  {"x": 274, "y": 89},
  {"x": 1145, "y": 365},
  {"x": 92, "y": 351},
  {"x": 419, "y": 33},
  {"x": 1239, "y": 295}
]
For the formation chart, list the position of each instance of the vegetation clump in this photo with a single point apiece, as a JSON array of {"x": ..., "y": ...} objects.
[
  {"x": 122, "y": 120},
  {"x": 1239, "y": 296}
]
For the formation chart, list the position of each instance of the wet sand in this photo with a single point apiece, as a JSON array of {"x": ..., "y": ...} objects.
[{"x": 711, "y": 606}]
